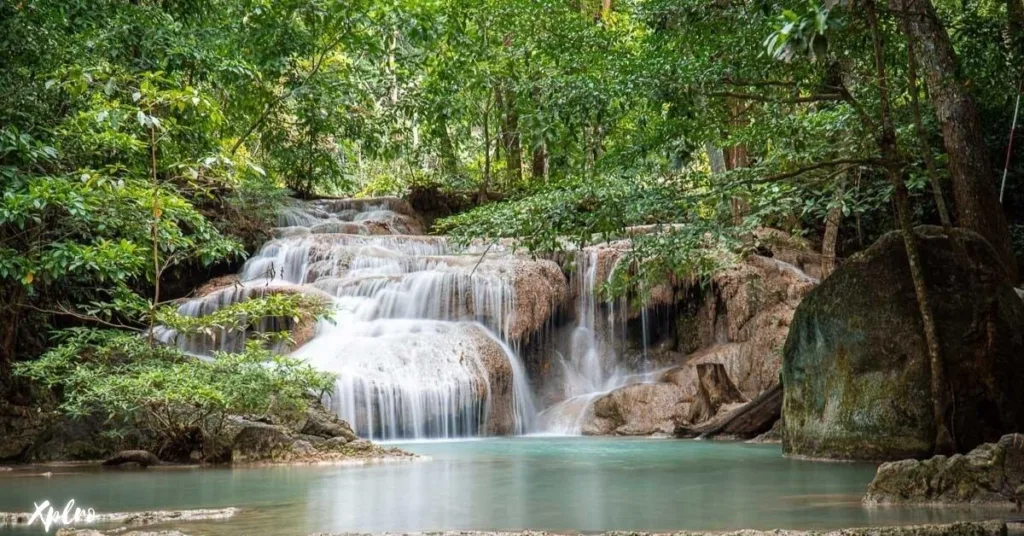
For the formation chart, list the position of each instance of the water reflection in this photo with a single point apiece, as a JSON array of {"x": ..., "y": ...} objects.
[{"x": 579, "y": 484}]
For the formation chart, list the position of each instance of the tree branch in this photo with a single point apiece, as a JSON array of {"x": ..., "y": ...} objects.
[{"x": 823, "y": 97}]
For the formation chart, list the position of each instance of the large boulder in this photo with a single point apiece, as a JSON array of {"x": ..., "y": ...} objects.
[
  {"x": 992, "y": 473},
  {"x": 855, "y": 367},
  {"x": 640, "y": 409}
]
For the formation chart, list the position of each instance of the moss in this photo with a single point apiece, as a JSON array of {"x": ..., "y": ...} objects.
[{"x": 855, "y": 365}]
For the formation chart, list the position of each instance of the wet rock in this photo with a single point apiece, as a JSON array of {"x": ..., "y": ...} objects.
[
  {"x": 856, "y": 370},
  {"x": 334, "y": 444},
  {"x": 118, "y": 532},
  {"x": 735, "y": 332},
  {"x": 218, "y": 283},
  {"x": 978, "y": 528},
  {"x": 262, "y": 442},
  {"x": 992, "y": 473},
  {"x": 640, "y": 409},
  {"x": 773, "y": 435},
  {"x": 130, "y": 519},
  {"x": 322, "y": 423}
]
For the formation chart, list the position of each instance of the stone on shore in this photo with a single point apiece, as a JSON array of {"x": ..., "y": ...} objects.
[
  {"x": 262, "y": 443},
  {"x": 992, "y": 473}
]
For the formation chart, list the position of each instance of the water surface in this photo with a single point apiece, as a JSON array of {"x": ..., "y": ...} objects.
[{"x": 558, "y": 484}]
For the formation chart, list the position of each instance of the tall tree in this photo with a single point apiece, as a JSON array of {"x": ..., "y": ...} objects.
[{"x": 974, "y": 186}]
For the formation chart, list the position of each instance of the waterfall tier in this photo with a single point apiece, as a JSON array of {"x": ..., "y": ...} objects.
[{"x": 417, "y": 337}]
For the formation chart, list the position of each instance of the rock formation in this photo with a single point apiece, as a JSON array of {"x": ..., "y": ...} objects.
[
  {"x": 992, "y": 473},
  {"x": 856, "y": 371},
  {"x": 734, "y": 330}
]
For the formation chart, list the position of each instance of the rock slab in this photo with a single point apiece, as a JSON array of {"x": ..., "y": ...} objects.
[{"x": 992, "y": 473}]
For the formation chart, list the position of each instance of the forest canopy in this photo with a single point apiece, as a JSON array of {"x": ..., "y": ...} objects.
[{"x": 145, "y": 143}]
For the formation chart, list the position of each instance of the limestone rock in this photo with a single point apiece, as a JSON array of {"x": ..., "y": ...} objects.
[
  {"x": 791, "y": 249},
  {"x": 855, "y": 363},
  {"x": 323, "y": 423},
  {"x": 745, "y": 326},
  {"x": 735, "y": 332},
  {"x": 218, "y": 283},
  {"x": 992, "y": 473},
  {"x": 640, "y": 409},
  {"x": 262, "y": 442}
]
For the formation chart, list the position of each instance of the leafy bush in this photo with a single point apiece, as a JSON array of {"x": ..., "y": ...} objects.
[{"x": 158, "y": 394}]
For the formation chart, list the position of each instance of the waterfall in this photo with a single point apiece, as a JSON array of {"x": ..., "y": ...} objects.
[
  {"x": 592, "y": 367},
  {"x": 417, "y": 337}
]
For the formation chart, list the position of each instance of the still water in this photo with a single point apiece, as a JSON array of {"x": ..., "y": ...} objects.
[{"x": 559, "y": 484}]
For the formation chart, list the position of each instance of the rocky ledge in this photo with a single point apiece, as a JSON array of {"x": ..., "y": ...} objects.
[
  {"x": 984, "y": 528},
  {"x": 312, "y": 436},
  {"x": 991, "y": 474}
]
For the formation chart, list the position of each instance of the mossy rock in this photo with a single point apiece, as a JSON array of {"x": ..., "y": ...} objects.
[{"x": 855, "y": 365}]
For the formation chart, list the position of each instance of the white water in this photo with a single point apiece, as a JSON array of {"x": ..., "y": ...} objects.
[
  {"x": 593, "y": 367},
  {"x": 415, "y": 338},
  {"x": 418, "y": 334}
]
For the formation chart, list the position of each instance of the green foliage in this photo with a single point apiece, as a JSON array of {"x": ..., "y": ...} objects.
[
  {"x": 181, "y": 400},
  {"x": 119, "y": 119},
  {"x": 247, "y": 315}
]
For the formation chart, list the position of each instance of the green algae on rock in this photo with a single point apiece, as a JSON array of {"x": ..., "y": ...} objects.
[
  {"x": 855, "y": 366},
  {"x": 992, "y": 473}
]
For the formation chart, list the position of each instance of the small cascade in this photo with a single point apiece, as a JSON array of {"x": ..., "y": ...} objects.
[
  {"x": 418, "y": 335},
  {"x": 592, "y": 367}
]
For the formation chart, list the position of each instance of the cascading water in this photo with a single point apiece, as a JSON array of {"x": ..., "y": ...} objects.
[
  {"x": 420, "y": 332},
  {"x": 416, "y": 337},
  {"x": 592, "y": 367}
]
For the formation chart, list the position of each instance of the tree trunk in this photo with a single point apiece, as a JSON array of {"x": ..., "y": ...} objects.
[
  {"x": 890, "y": 153},
  {"x": 449, "y": 159},
  {"x": 539, "y": 167},
  {"x": 155, "y": 235},
  {"x": 486, "y": 183},
  {"x": 1015, "y": 29},
  {"x": 714, "y": 389},
  {"x": 922, "y": 135},
  {"x": 828, "y": 243},
  {"x": 750, "y": 420},
  {"x": 736, "y": 157},
  {"x": 716, "y": 158},
  {"x": 974, "y": 190},
  {"x": 505, "y": 99}
]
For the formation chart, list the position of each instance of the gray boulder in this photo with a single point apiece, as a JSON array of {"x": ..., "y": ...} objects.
[{"x": 855, "y": 366}]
